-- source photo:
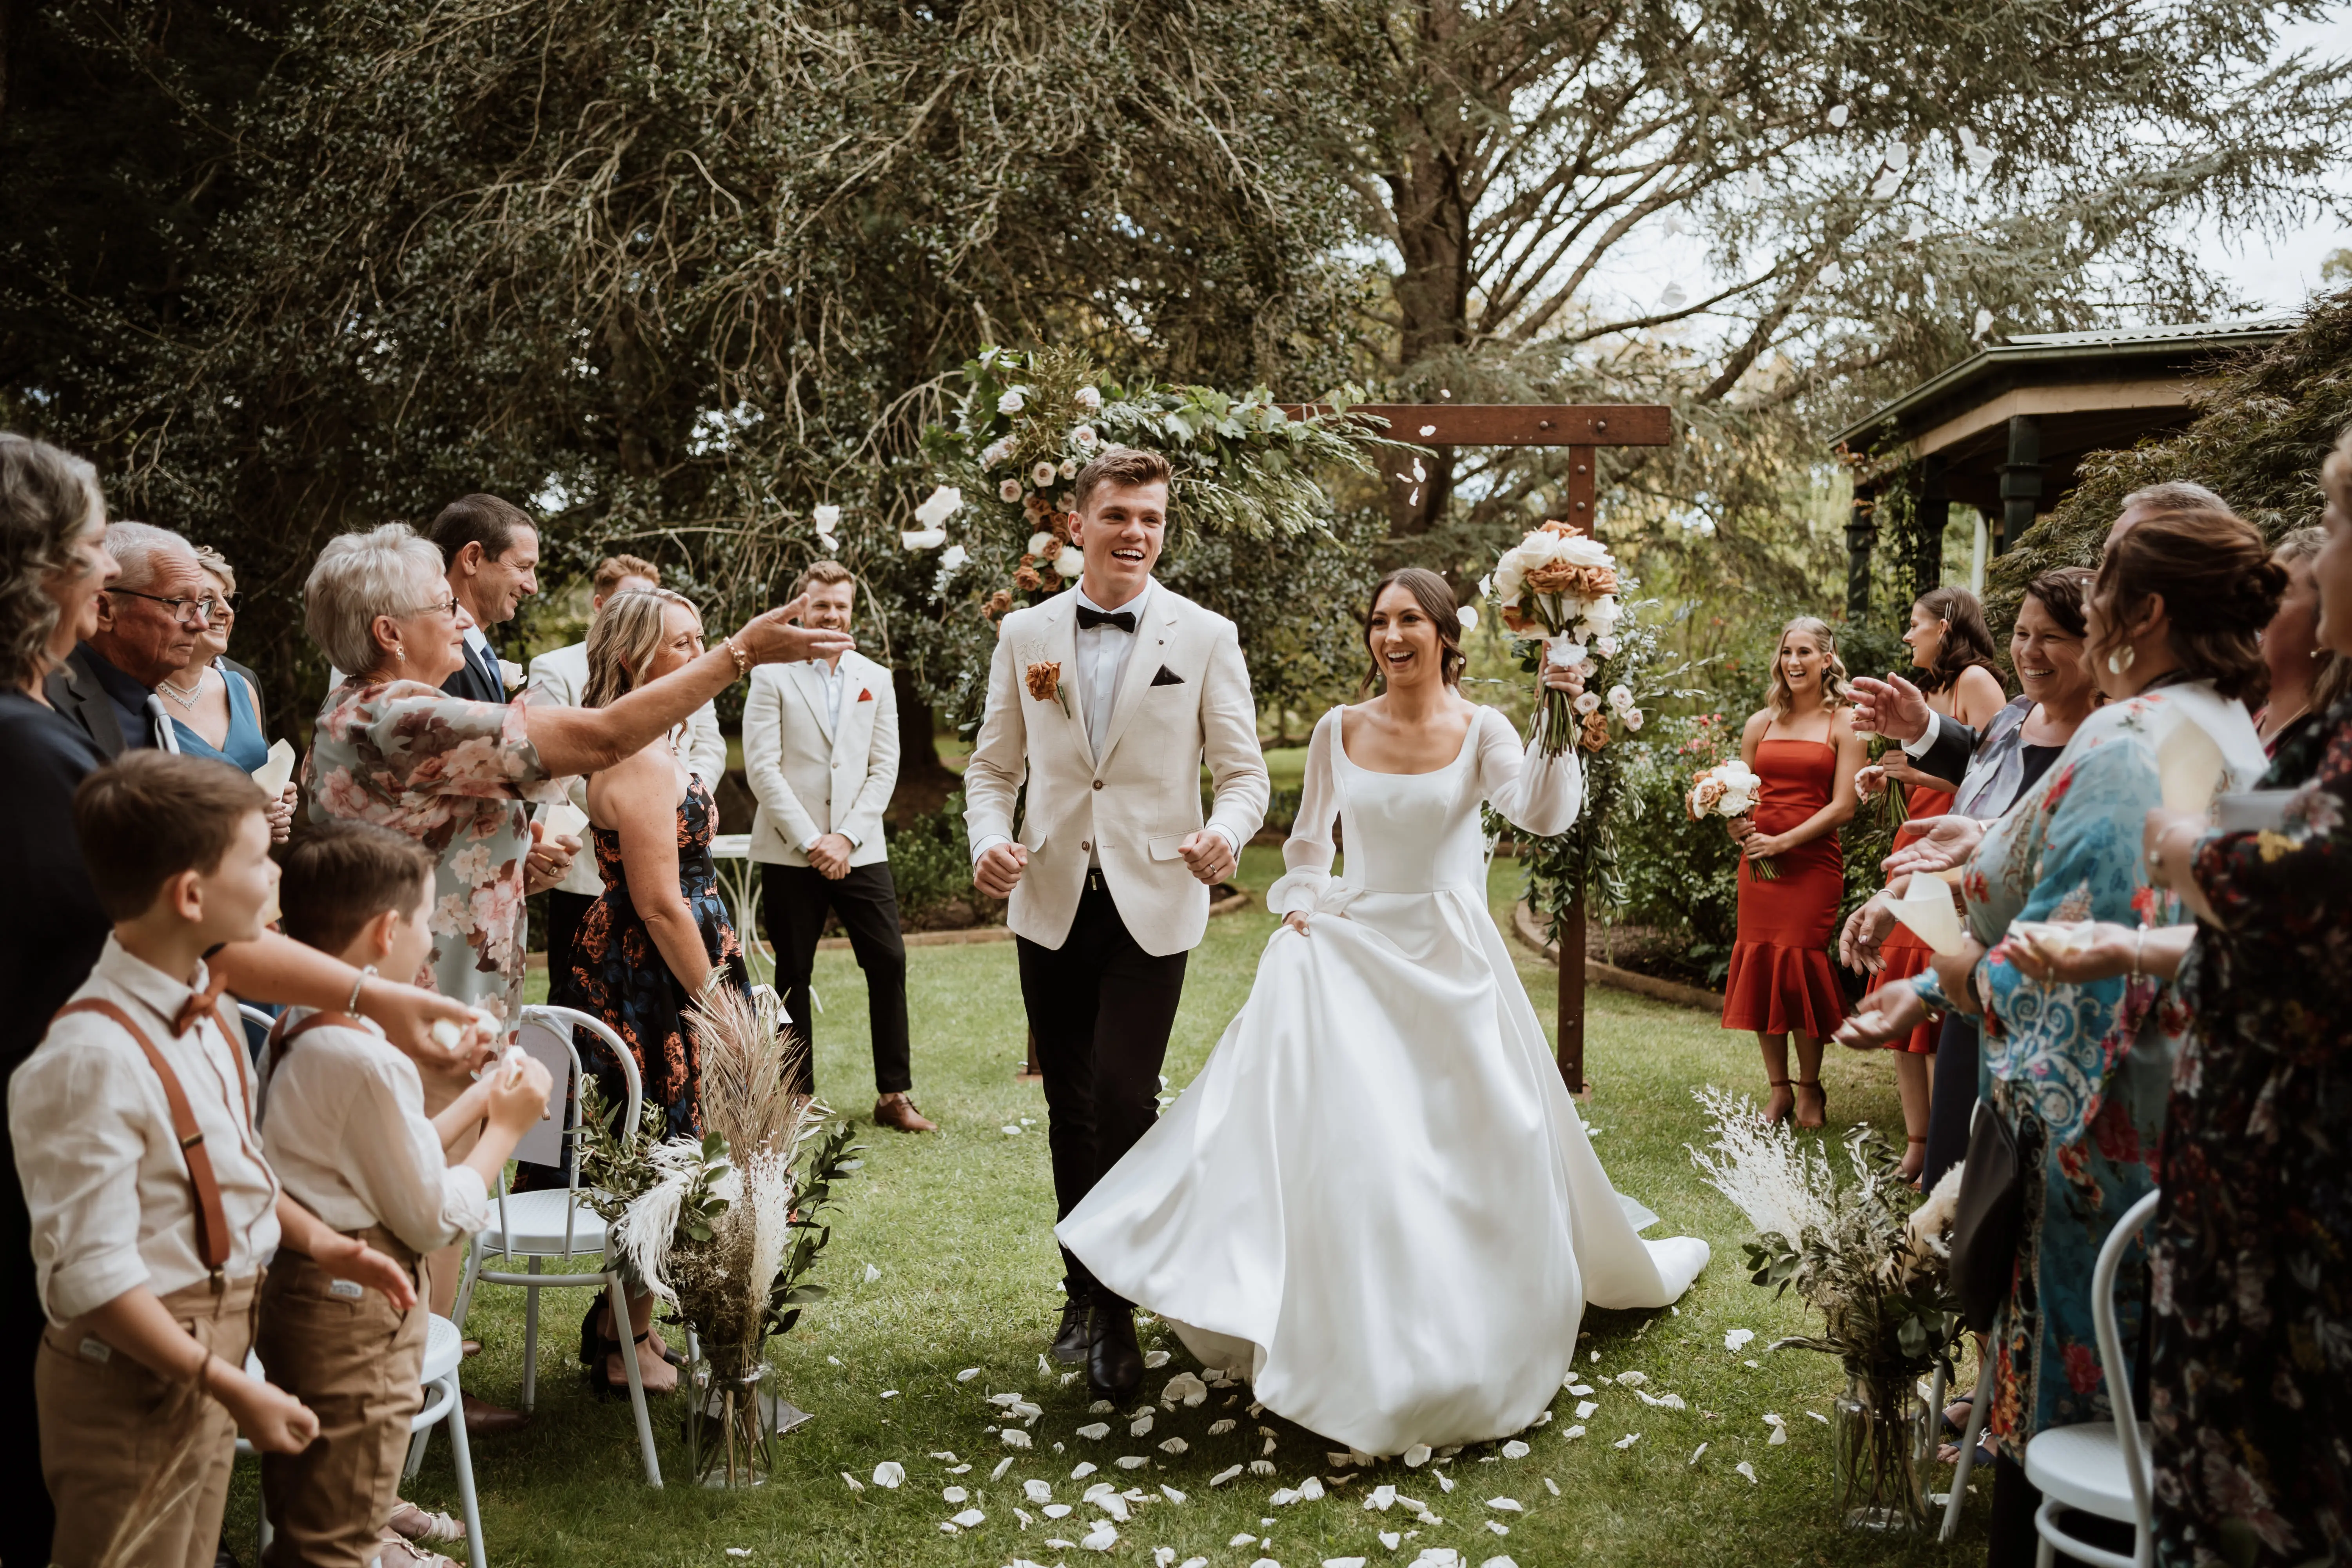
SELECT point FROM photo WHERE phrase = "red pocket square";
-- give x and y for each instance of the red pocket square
(864, 694)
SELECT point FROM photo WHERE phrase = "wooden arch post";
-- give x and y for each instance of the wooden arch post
(1582, 429)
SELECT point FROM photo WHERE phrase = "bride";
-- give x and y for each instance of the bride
(1377, 1203)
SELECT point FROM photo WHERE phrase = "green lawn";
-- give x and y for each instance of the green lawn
(958, 1226)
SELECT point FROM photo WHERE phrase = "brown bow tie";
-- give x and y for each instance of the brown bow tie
(200, 1003)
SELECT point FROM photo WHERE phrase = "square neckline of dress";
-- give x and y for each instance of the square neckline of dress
(1468, 732)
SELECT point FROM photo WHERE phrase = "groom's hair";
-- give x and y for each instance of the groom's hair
(1126, 466)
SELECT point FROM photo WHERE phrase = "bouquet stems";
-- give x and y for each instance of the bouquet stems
(1760, 867)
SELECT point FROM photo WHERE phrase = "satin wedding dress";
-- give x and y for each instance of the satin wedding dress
(1377, 1203)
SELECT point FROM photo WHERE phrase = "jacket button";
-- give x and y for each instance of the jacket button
(1098, 783)
(1085, 847)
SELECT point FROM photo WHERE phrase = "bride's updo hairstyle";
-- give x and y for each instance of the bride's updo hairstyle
(2219, 588)
(1435, 597)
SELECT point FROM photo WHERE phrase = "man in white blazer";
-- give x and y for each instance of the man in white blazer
(1107, 700)
(560, 677)
(821, 748)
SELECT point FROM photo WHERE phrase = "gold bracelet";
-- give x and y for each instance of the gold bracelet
(735, 651)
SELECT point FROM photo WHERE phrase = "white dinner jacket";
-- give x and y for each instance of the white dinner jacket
(559, 679)
(811, 777)
(1185, 697)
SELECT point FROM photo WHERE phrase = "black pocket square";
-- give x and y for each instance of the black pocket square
(1167, 677)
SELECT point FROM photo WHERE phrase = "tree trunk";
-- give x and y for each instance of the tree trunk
(924, 782)
(1432, 227)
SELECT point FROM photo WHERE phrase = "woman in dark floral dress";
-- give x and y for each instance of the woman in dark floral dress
(657, 937)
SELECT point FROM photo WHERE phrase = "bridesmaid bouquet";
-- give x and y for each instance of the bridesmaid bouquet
(1560, 584)
(1730, 789)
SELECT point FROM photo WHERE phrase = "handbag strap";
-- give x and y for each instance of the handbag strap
(212, 1218)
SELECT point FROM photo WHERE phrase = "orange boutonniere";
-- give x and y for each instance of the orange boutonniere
(1044, 682)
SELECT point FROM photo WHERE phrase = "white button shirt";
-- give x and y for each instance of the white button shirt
(105, 1183)
(343, 1124)
(1103, 653)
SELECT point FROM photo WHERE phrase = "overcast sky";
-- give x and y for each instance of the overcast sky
(2277, 274)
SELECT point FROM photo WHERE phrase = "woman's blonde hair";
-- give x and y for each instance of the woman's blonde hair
(214, 562)
(623, 640)
(1779, 696)
(2331, 676)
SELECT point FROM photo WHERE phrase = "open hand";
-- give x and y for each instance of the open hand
(1207, 856)
(1944, 843)
(347, 1257)
(1889, 1013)
(1892, 707)
(998, 872)
(772, 638)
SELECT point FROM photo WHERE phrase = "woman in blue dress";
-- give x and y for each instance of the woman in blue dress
(216, 711)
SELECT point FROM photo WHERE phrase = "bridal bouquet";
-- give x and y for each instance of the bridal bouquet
(1562, 585)
(1729, 790)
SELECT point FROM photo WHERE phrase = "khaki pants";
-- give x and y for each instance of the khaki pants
(354, 1360)
(123, 1450)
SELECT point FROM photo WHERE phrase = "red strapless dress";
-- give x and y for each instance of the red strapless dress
(1781, 978)
(1906, 954)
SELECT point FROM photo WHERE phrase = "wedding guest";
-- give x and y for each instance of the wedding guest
(559, 676)
(489, 554)
(214, 703)
(344, 1125)
(2012, 753)
(2307, 678)
(392, 748)
(1803, 744)
(657, 937)
(149, 619)
(2080, 1071)
(820, 749)
(1951, 644)
(152, 1211)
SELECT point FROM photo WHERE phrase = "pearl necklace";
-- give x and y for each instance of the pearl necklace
(187, 698)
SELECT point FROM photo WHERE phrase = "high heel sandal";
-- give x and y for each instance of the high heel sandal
(1815, 1085)
(1770, 1120)
(596, 1345)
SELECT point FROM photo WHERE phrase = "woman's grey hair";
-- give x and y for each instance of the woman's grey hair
(48, 499)
(2174, 495)
(623, 640)
(359, 576)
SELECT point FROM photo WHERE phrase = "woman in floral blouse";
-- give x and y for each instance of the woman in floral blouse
(2080, 1069)
(392, 748)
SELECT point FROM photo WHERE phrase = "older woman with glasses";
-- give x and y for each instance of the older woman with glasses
(213, 706)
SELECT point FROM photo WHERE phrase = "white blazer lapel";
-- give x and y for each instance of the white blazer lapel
(1061, 646)
(811, 681)
(1143, 664)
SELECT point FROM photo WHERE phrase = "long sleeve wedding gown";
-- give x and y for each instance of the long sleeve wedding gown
(1377, 1202)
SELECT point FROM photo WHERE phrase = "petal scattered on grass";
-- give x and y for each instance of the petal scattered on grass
(1819, 1416)
(1222, 1477)
(1084, 1469)
(855, 1484)
(970, 1516)
(1056, 1511)
(1515, 1449)
(889, 1473)
(954, 1494)
(1036, 1490)
(1261, 1466)
(1002, 1464)
(1416, 1455)
(1173, 1495)
(1101, 1538)
(1015, 1438)
(1133, 1461)
(1140, 1426)
(1697, 1452)
(1573, 1432)
(1551, 1486)
(1745, 1469)
(1627, 1441)
(1585, 1408)
(1736, 1339)
(1507, 1505)
(1499, 1527)
(967, 1374)
(1095, 1431)
(1219, 1428)
(1174, 1446)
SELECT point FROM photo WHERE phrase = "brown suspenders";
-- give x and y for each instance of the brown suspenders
(280, 1037)
(212, 1218)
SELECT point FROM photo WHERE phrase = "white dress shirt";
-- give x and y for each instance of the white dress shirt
(343, 1124)
(105, 1185)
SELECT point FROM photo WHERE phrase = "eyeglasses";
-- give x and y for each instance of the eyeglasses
(187, 612)
(218, 606)
(448, 607)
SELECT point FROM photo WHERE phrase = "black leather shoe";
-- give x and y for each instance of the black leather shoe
(1114, 1362)
(1070, 1339)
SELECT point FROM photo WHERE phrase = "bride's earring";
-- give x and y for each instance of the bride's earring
(2121, 659)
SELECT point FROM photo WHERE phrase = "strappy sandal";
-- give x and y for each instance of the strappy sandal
(411, 1522)
(1784, 1115)
(1815, 1085)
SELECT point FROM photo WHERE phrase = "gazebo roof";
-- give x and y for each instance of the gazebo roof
(2092, 390)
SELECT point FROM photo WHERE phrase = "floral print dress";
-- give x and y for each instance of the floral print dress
(2250, 1379)
(2080, 1072)
(619, 976)
(459, 778)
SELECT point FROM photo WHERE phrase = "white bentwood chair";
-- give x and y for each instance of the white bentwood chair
(2100, 1467)
(555, 1225)
(444, 1354)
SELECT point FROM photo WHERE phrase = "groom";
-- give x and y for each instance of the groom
(1106, 700)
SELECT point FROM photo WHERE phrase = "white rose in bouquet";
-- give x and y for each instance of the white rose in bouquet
(1042, 475)
(1089, 399)
(1729, 790)
(1008, 489)
(1014, 401)
(1561, 586)
(1040, 542)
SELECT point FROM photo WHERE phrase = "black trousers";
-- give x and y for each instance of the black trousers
(794, 901)
(564, 913)
(1101, 1008)
(1954, 1104)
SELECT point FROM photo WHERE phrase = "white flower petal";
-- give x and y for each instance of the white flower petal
(1745, 1469)
(1095, 1431)
(1140, 1425)
(970, 1517)
(1628, 1440)
(1573, 1432)
(1218, 1428)
(1507, 1505)
(1515, 1449)
(855, 1484)
(1416, 1455)
(1173, 1495)
(1036, 1490)
(1132, 1462)
(1499, 1527)
(954, 1494)
(1174, 1446)
(1222, 1477)
(1585, 1408)
(1056, 1511)
(889, 1473)
(1015, 1438)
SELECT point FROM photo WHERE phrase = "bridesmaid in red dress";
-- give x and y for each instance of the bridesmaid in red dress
(1952, 646)
(1803, 745)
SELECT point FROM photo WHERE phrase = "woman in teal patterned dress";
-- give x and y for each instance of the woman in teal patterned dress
(2081, 1070)
(657, 937)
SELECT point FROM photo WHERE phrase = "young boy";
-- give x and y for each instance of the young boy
(153, 1210)
(343, 1124)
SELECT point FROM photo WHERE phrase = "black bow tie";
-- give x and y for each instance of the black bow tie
(1089, 620)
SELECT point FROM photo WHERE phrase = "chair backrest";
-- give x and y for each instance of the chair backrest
(256, 1018)
(545, 1033)
(2111, 1355)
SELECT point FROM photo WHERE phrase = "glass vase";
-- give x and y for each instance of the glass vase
(1880, 1429)
(732, 1417)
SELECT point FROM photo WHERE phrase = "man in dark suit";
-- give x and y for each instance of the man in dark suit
(147, 623)
(489, 549)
